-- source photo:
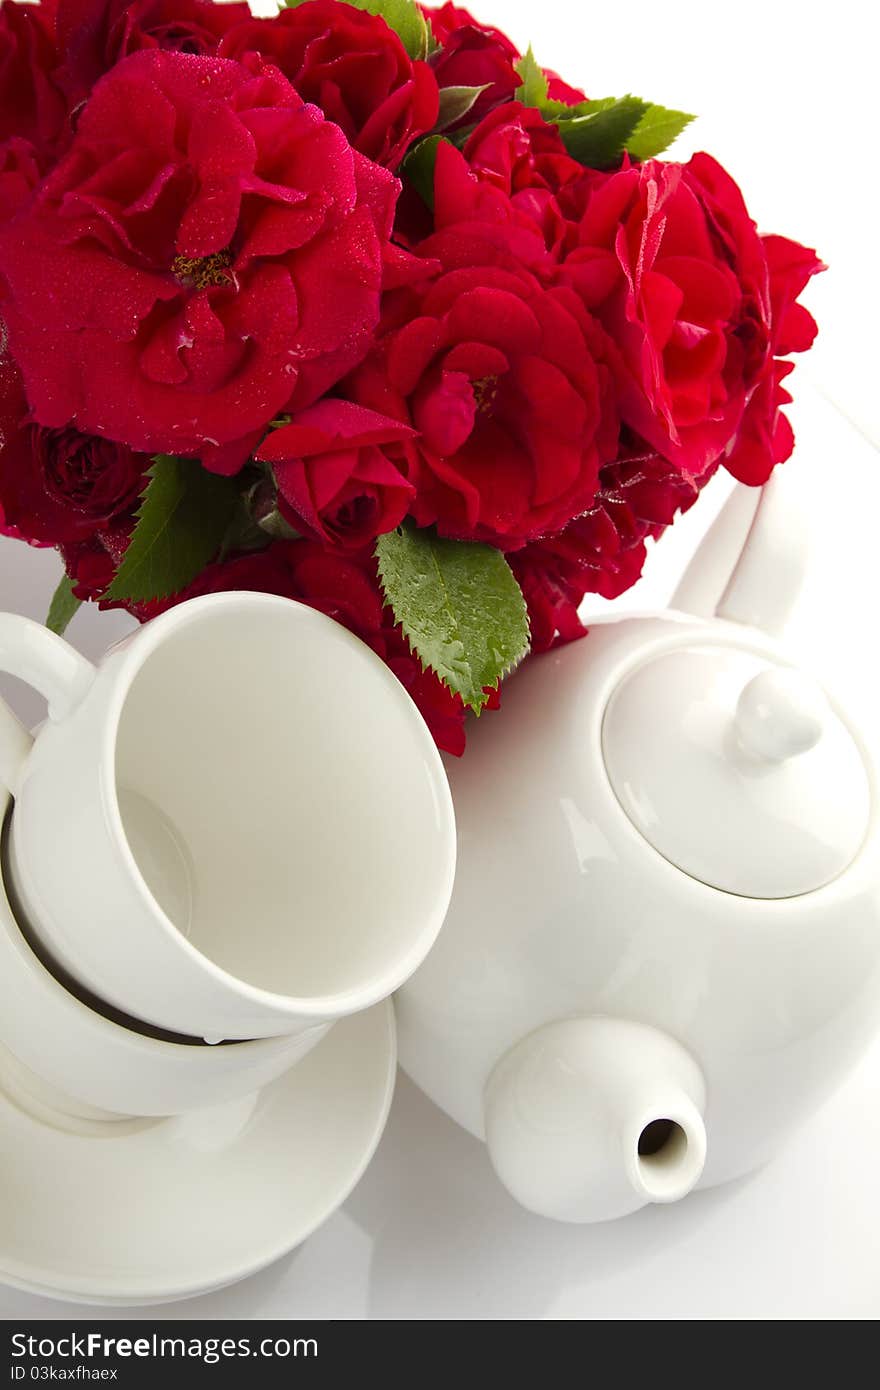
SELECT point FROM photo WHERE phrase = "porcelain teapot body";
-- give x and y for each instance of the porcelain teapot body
(587, 993)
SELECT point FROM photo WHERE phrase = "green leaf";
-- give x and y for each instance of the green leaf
(403, 16)
(418, 167)
(598, 138)
(63, 606)
(559, 111)
(656, 131)
(184, 514)
(533, 89)
(456, 102)
(459, 605)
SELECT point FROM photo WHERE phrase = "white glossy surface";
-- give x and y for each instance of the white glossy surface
(562, 909)
(186, 1204)
(193, 828)
(780, 714)
(735, 768)
(778, 543)
(65, 1059)
(429, 1232)
(665, 828)
(589, 1119)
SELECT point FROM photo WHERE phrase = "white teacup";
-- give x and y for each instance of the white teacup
(237, 826)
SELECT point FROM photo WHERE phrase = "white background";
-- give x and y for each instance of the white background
(783, 92)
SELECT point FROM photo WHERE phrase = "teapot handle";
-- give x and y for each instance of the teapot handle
(751, 565)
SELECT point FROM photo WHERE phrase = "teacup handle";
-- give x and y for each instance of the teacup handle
(53, 667)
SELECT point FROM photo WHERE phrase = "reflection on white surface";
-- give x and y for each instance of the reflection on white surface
(429, 1233)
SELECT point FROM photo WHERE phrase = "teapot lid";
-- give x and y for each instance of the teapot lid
(737, 770)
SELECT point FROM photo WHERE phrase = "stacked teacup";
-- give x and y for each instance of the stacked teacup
(231, 834)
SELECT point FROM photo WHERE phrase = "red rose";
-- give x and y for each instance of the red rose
(345, 586)
(94, 35)
(208, 253)
(765, 437)
(603, 551)
(58, 485)
(516, 150)
(473, 55)
(501, 376)
(354, 67)
(477, 55)
(31, 106)
(669, 260)
(337, 481)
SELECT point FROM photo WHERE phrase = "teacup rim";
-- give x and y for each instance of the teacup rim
(140, 645)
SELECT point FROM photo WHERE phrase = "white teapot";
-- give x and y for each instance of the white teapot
(663, 948)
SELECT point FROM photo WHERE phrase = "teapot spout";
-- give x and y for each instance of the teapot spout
(590, 1118)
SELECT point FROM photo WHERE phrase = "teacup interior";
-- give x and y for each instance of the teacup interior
(280, 796)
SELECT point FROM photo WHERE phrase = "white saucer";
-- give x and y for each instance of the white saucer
(176, 1207)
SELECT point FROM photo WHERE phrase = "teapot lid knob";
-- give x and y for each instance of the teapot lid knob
(780, 714)
(737, 769)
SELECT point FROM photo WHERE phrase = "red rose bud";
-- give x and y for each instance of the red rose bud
(94, 35)
(337, 481)
(353, 66)
(59, 486)
(179, 300)
(473, 55)
(476, 55)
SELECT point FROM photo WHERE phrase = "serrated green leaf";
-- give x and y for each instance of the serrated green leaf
(63, 606)
(455, 103)
(403, 16)
(184, 514)
(598, 138)
(557, 111)
(656, 131)
(459, 606)
(532, 91)
(597, 132)
(418, 167)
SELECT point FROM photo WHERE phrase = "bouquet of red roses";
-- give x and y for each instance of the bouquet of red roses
(360, 306)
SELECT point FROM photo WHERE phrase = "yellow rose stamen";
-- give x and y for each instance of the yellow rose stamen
(202, 272)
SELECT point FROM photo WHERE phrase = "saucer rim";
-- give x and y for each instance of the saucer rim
(93, 1292)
